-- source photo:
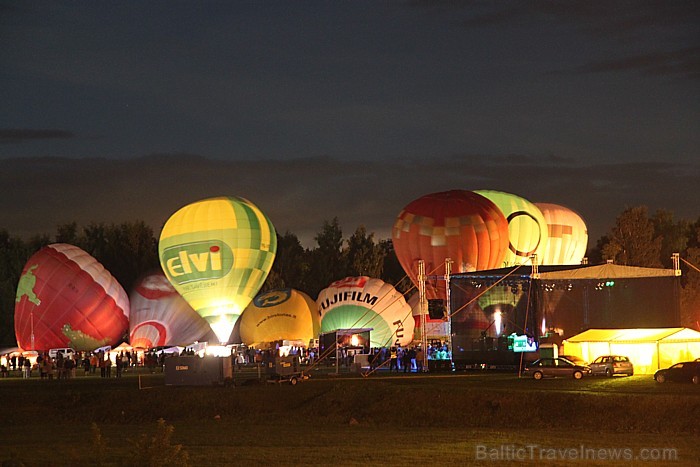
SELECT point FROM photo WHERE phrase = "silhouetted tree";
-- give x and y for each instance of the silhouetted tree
(362, 256)
(327, 262)
(68, 233)
(392, 272)
(674, 235)
(291, 265)
(127, 250)
(632, 241)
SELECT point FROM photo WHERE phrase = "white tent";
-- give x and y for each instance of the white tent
(608, 271)
(649, 349)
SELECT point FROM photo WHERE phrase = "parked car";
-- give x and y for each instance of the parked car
(574, 359)
(610, 365)
(684, 372)
(556, 367)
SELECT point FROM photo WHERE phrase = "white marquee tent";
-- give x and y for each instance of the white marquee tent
(649, 349)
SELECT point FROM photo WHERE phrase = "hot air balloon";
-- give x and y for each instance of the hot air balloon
(363, 302)
(499, 303)
(527, 227)
(66, 298)
(568, 235)
(281, 314)
(217, 253)
(434, 328)
(160, 316)
(461, 225)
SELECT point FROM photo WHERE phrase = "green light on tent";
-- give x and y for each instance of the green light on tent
(609, 283)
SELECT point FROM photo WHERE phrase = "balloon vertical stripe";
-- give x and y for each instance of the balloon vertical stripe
(217, 253)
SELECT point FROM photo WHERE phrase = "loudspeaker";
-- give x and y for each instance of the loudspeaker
(436, 309)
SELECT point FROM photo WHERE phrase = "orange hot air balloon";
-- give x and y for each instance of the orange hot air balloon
(66, 298)
(461, 225)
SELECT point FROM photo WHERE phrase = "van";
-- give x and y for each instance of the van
(65, 351)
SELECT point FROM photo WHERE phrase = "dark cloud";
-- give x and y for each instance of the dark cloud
(683, 62)
(299, 195)
(608, 18)
(9, 136)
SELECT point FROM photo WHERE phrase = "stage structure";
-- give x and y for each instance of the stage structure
(492, 309)
(433, 310)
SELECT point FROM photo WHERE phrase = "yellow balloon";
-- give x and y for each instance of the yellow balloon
(217, 253)
(527, 227)
(282, 314)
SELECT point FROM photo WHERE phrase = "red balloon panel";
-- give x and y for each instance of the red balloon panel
(62, 301)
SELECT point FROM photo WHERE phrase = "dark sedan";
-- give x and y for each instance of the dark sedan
(556, 367)
(684, 372)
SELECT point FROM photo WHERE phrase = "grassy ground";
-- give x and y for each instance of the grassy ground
(478, 418)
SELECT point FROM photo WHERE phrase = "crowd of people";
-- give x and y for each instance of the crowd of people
(409, 359)
(60, 365)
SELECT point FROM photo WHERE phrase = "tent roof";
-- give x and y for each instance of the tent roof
(608, 271)
(640, 335)
(568, 272)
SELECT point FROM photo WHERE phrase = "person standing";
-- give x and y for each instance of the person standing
(419, 360)
(27, 367)
(119, 366)
(406, 361)
(86, 365)
(393, 360)
(102, 364)
(108, 366)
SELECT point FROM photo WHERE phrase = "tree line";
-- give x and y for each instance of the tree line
(130, 250)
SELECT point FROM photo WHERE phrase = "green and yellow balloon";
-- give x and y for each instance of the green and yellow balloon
(217, 253)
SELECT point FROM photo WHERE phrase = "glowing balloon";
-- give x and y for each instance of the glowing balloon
(363, 302)
(434, 328)
(282, 314)
(568, 235)
(66, 298)
(217, 253)
(458, 224)
(500, 296)
(527, 227)
(160, 316)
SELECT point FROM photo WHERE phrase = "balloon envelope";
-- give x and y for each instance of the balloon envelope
(434, 328)
(461, 225)
(281, 314)
(363, 302)
(160, 316)
(66, 298)
(568, 235)
(527, 227)
(217, 253)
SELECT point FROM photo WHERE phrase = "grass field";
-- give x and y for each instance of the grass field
(459, 419)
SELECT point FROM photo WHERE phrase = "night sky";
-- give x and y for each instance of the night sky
(116, 111)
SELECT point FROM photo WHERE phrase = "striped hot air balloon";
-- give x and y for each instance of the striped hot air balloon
(217, 253)
(461, 225)
(160, 316)
(66, 298)
(568, 235)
